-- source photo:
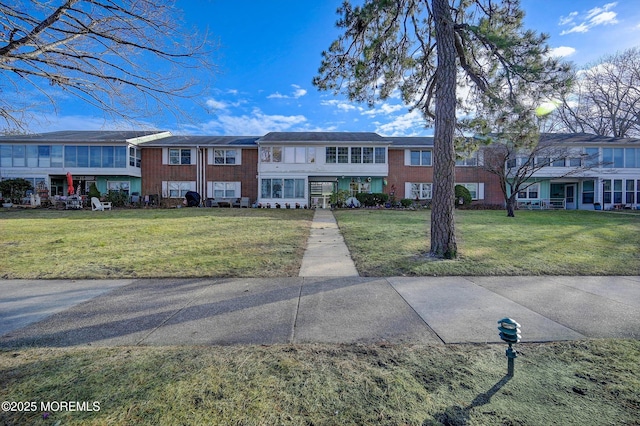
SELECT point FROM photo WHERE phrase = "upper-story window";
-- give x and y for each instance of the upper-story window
(421, 157)
(288, 154)
(468, 160)
(355, 155)
(224, 156)
(179, 156)
(135, 156)
(63, 156)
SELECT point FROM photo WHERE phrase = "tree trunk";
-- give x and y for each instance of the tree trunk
(511, 207)
(443, 239)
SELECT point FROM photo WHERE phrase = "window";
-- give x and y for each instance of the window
(530, 192)
(421, 191)
(95, 156)
(224, 156)
(178, 156)
(70, 156)
(331, 154)
(420, 158)
(282, 188)
(225, 190)
(119, 186)
(588, 192)
(343, 154)
(120, 160)
(613, 157)
(617, 191)
(107, 156)
(265, 154)
(557, 162)
(6, 156)
(629, 194)
(473, 189)
(470, 161)
(606, 191)
(44, 156)
(367, 155)
(18, 155)
(83, 156)
(178, 189)
(135, 156)
(56, 156)
(356, 155)
(542, 161)
(575, 162)
(32, 156)
(592, 155)
(311, 155)
(638, 191)
(632, 157)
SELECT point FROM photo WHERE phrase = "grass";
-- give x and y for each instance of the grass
(152, 243)
(392, 243)
(583, 383)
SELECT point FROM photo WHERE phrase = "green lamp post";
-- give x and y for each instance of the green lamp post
(510, 333)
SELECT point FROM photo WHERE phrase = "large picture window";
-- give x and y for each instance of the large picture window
(282, 188)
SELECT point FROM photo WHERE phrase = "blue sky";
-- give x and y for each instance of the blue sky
(269, 51)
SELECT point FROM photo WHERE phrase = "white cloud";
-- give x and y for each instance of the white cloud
(341, 105)
(562, 51)
(298, 92)
(566, 20)
(409, 124)
(594, 17)
(385, 109)
(257, 123)
(216, 105)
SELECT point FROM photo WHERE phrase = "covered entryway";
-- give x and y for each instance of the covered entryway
(320, 191)
(564, 195)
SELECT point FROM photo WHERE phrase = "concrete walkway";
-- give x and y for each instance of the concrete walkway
(327, 303)
(420, 310)
(326, 254)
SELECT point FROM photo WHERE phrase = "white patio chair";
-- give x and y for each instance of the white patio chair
(96, 205)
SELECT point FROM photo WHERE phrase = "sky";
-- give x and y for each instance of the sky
(269, 52)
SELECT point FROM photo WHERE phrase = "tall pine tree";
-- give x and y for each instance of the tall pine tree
(430, 50)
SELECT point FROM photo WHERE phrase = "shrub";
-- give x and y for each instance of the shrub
(372, 200)
(93, 191)
(15, 189)
(406, 202)
(117, 198)
(463, 196)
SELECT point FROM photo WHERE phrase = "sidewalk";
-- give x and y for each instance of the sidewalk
(317, 306)
(326, 254)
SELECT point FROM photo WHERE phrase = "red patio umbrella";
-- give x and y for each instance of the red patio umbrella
(70, 183)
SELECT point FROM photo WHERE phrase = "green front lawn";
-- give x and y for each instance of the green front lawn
(148, 243)
(391, 243)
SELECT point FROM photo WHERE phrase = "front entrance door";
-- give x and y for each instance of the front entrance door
(570, 196)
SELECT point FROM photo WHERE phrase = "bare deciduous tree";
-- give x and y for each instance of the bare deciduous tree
(605, 97)
(127, 58)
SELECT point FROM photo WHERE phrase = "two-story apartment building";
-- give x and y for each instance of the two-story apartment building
(111, 160)
(305, 168)
(584, 170)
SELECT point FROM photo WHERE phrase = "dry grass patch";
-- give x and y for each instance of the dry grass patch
(578, 383)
